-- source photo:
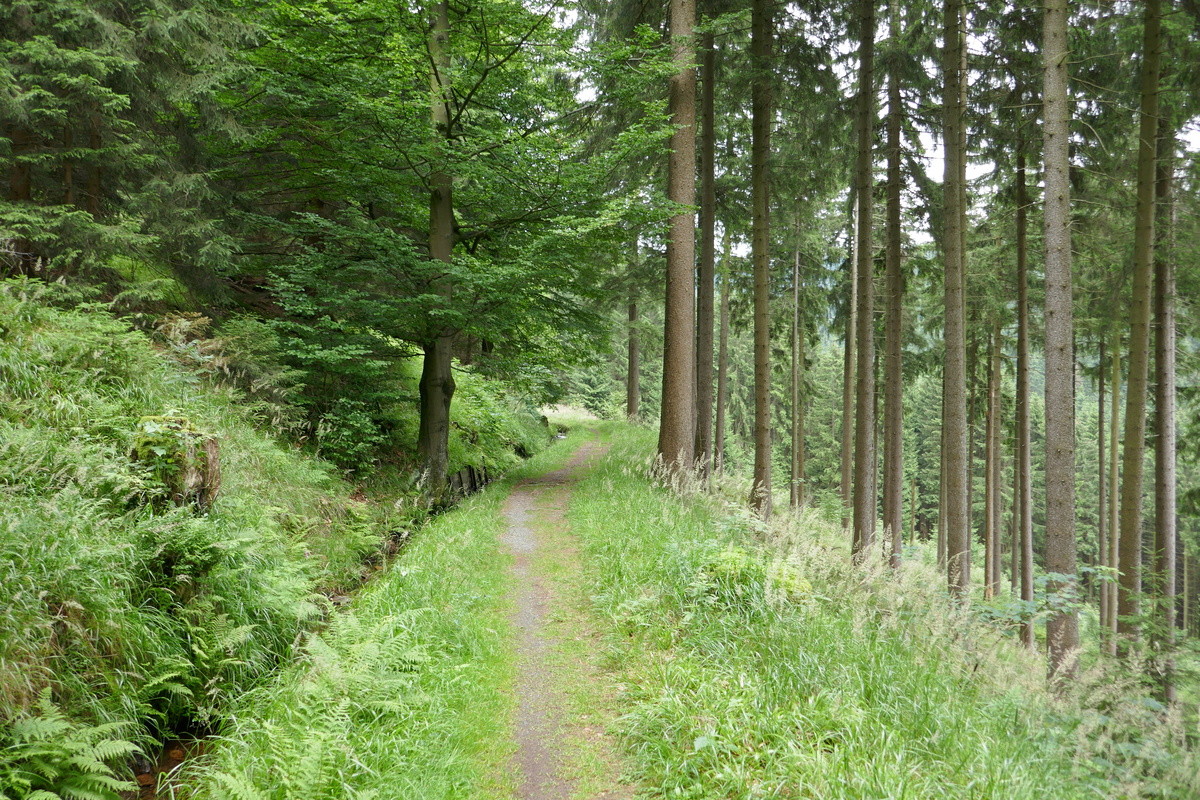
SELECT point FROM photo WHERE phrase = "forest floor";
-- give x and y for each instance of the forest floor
(565, 706)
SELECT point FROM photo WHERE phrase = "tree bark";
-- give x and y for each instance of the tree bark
(707, 265)
(760, 154)
(1165, 532)
(797, 471)
(633, 395)
(722, 363)
(1102, 499)
(1114, 491)
(957, 515)
(677, 437)
(865, 496)
(437, 378)
(1062, 629)
(991, 466)
(1129, 592)
(893, 403)
(848, 366)
(1024, 469)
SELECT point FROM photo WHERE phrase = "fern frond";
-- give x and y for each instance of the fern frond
(238, 790)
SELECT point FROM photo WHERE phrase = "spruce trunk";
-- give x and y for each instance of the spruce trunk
(1102, 499)
(760, 153)
(848, 367)
(1024, 468)
(1165, 532)
(797, 476)
(706, 268)
(893, 404)
(677, 427)
(954, 382)
(1130, 589)
(864, 412)
(722, 364)
(1062, 628)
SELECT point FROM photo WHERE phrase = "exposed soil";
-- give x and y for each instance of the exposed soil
(174, 752)
(561, 753)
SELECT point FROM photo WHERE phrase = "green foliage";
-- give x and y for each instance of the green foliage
(104, 103)
(871, 686)
(408, 696)
(168, 448)
(136, 611)
(348, 435)
(46, 756)
(736, 576)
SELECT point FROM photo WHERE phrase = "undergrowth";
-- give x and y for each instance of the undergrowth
(128, 601)
(405, 697)
(759, 662)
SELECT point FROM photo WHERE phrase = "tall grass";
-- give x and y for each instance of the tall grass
(760, 663)
(405, 697)
(118, 609)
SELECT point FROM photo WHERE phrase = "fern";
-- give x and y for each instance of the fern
(52, 758)
(237, 788)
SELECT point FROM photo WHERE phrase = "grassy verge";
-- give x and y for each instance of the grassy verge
(405, 696)
(135, 605)
(760, 663)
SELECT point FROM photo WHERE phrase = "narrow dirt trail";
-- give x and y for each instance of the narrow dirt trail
(563, 751)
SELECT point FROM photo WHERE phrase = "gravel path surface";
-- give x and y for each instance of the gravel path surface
(543, 730)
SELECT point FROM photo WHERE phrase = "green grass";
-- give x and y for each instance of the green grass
(741, 684)
(118, 609)
(404, 697)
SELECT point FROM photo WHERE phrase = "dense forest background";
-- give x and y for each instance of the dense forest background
(928, 268)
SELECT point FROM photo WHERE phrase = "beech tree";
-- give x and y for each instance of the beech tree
(415, 167)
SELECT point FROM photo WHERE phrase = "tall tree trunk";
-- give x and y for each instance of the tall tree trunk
(941, 527)
(1165, 532)
(972, 400)
(848, 365)
(864, 412)
(677, 430)
(1024, 488)
(957, 515)
(633, 395)
(893, 404)
(1129, 594)
(1114, 492)
(991, 466)
(437, 378)
(707, 265)
(797, 477)
(722, 362)
(1062, 629)
(760, 155)
(1014, 558)
(1102, 499)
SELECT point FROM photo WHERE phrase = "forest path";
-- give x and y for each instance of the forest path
(563, 701)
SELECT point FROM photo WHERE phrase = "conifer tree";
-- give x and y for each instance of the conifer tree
(677, 432)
